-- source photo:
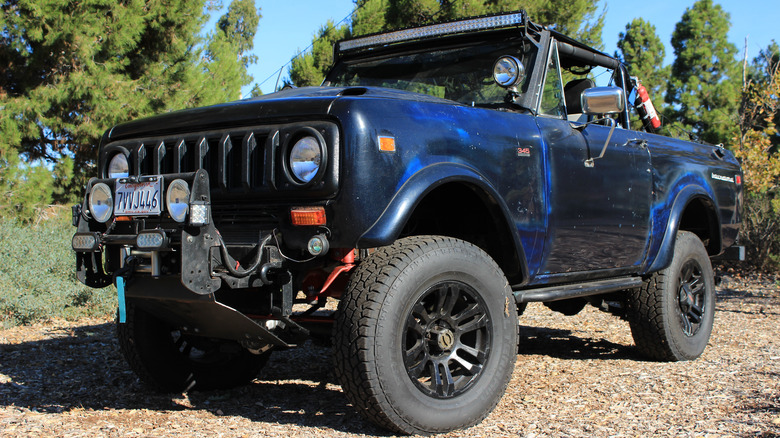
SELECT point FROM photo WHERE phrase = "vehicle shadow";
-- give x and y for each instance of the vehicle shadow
(84, 369)
(563, 344)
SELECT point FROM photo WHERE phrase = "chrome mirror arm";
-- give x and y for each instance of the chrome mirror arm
(590, 162)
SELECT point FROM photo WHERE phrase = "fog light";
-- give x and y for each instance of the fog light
(150, 240)
(85, 242)
(199, 213)
(318, 245)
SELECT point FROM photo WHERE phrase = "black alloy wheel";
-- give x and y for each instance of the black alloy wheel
(447, 339)
(691, 297)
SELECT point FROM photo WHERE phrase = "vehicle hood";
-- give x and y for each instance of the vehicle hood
(279, 107)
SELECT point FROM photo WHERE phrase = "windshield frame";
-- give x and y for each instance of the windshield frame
(489, 45)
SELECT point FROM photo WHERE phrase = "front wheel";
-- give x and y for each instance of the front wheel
(672, 314)
(425, 337)
(170, 361)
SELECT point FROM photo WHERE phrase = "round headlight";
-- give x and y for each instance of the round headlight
(118, 166)
(177, 199)
(305, 159)
(508, 71)
(101, 202)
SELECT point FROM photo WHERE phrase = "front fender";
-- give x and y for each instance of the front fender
(390, 224)
(386, 229)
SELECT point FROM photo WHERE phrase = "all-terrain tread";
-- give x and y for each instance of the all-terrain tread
(646, 320)
(646, 306)
(357, 323)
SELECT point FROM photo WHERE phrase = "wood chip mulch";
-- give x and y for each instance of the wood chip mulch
(576, 376)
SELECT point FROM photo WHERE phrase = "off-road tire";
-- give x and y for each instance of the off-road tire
(168, 361)
(663, 312)
(411, 307)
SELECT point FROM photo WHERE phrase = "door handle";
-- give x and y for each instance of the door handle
(642, 143)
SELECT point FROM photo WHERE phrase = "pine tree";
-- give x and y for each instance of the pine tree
(227, 53)
(309, 68)
(70, 70)
(703, 92)
(642, 51)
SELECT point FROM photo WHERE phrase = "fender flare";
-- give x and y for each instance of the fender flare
(392, 220)
(684, 197)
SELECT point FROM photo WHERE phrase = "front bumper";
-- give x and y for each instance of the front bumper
(181, 275)
(105, 249)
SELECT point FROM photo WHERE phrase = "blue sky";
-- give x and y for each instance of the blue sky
(287, 27)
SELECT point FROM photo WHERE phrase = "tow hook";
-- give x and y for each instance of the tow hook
(120, 276)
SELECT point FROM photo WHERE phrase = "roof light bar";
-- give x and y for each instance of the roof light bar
(482, 23)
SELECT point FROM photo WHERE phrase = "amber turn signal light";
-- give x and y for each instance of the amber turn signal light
(307, 216)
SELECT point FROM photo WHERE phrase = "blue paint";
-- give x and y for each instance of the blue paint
(120, 291)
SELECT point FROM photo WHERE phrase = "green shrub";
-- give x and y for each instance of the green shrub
(37, 273)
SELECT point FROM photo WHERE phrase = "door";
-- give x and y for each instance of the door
(599, 214)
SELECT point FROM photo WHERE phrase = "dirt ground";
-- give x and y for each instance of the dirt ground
(575, 376)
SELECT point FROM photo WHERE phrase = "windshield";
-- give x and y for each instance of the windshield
(463, 74)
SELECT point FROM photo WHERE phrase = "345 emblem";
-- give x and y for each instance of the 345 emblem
(524, 152)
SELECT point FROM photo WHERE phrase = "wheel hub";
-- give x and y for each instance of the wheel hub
(444, 338)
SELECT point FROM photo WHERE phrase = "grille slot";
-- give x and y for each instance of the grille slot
(233, 159)
(244, 164)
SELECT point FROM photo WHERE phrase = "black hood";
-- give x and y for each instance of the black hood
(286, 105)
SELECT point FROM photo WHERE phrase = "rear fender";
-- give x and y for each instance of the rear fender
(683, 199)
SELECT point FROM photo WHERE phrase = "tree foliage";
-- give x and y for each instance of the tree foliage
(703, 91)
(310, 68)
(70, 70)
(574, 17)
(756, 146)
(643, 52)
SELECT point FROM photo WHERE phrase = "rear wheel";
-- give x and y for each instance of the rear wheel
(425, 337)
(672, 314)
(168, 360)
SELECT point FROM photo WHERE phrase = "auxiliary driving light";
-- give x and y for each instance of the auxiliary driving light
(177, 200)
(86, 242)
(318, 245)
(150, 240)
(101, 202)
(199, 214)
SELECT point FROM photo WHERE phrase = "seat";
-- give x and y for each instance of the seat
(572, 92)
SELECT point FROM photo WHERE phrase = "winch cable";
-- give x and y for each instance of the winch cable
(227, 260)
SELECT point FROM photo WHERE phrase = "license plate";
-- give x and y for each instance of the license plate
(138, 198)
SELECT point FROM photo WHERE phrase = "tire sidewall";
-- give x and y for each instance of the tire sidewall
(446, 264)
(688, 247)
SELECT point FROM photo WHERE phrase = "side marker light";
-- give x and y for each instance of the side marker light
(387, 144)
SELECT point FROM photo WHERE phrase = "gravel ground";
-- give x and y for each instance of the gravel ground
(575, 376)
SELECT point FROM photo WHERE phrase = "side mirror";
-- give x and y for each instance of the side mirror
(602, 100)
